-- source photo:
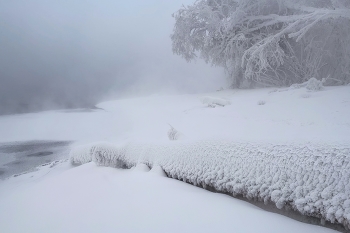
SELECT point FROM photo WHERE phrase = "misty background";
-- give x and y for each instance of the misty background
(70, 54)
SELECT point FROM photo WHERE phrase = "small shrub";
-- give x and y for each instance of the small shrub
(311, 85)
(173, 134)
(314, 85)
(261, 102)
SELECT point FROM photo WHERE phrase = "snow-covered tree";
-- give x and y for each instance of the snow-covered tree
(274, 42)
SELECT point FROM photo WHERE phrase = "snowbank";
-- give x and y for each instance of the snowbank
(213, 101)
(312, 179)
(312, 85)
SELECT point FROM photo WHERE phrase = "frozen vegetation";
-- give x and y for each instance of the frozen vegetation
(90, 199)
(268, 42)
(174, 134)
(312, 179)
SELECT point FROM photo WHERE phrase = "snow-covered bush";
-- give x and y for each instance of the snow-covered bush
(214, 101)
(174, 134)
(81, 154)
(312, 179)
(312, 85)
(103, 154)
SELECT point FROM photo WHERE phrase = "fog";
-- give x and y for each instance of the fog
(66, 54)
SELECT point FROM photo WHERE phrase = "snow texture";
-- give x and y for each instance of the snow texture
(214, 101)
(312, 179)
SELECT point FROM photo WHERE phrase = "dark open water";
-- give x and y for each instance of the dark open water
(19, 157)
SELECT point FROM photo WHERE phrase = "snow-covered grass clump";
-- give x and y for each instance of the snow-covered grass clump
(214, 101)
(174, 134)
(310, 178)
(104, 154)
(312, 85)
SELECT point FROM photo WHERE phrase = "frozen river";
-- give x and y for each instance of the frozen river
(19, 157)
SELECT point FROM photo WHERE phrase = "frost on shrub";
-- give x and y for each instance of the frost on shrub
(103, 154)
(313, 179)
(81, 154)
(173, 134)
(312, 85)
(214, 101)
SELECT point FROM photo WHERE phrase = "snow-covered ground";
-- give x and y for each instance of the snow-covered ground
(99, 199)
(95, 199)
(269, 115)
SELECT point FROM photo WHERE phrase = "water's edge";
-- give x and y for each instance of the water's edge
(286, 211)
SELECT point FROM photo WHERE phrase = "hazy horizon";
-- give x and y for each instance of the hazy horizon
(74, 54)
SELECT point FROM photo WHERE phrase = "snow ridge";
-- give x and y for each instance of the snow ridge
(310, 178)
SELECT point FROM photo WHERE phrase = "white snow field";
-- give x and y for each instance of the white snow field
(94, 199)
(291, 150)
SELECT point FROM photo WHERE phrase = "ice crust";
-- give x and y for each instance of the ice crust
(310, 178)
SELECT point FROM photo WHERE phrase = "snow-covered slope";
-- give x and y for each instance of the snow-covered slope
(93, 199)
(296, 115)
(281, 154)
(290, 146)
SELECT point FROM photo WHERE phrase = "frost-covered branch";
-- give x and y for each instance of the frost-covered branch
(265, 40)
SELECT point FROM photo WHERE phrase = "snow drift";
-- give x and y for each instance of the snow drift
(310, 178)
(214, 101)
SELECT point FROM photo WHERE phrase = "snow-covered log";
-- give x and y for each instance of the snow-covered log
(312, 179)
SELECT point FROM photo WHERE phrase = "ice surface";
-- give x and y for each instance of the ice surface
(19, 157)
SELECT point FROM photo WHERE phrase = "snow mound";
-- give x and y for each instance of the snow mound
(312, 85)
(142, 168)
(310, 178)
(158, 171)
(214, 101)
